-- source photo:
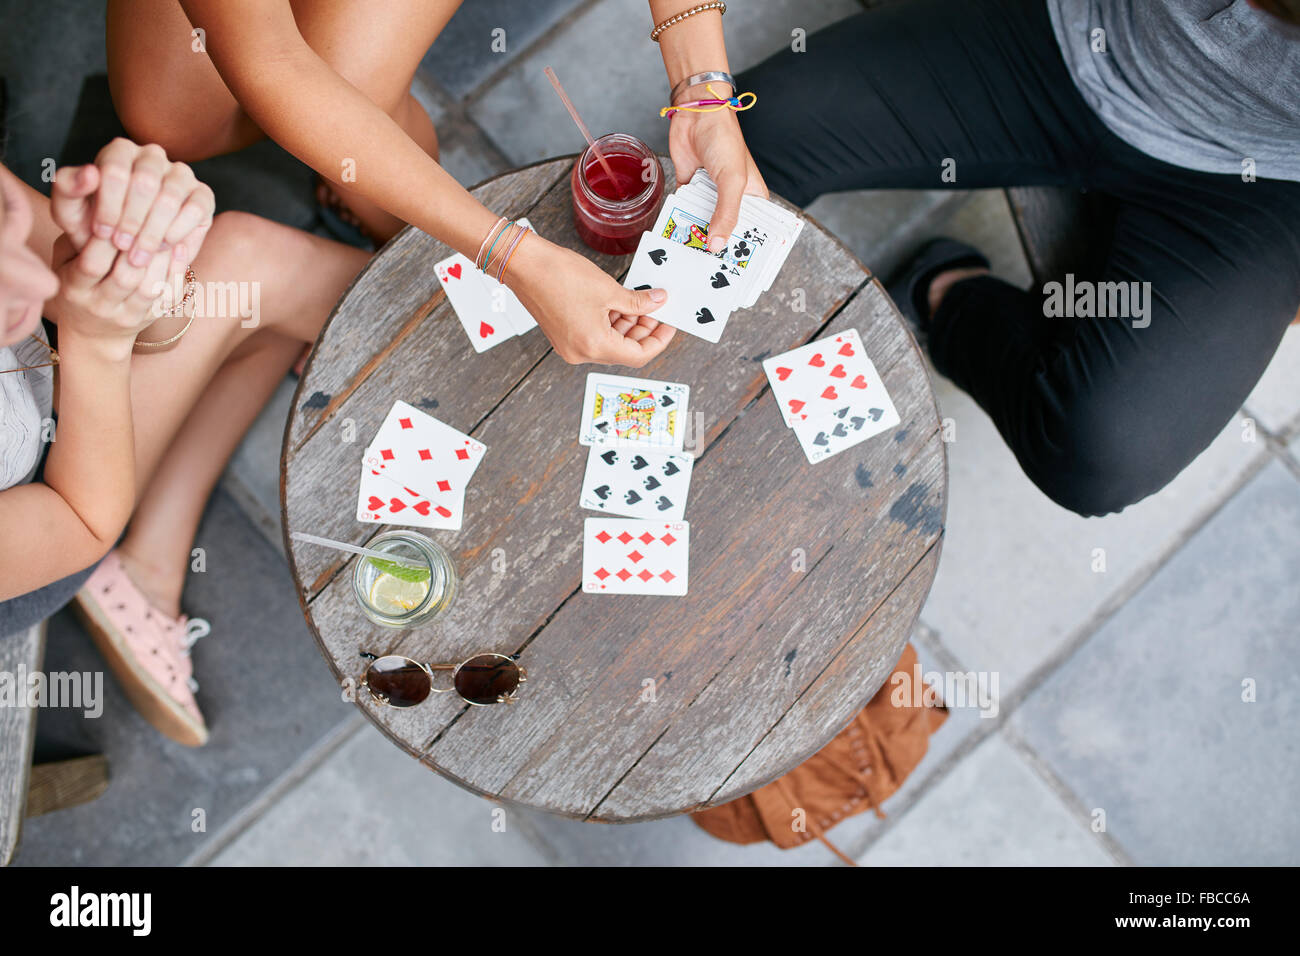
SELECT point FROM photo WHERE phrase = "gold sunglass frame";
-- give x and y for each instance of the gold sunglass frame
(429, 668)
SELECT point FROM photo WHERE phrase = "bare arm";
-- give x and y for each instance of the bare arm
(315, 114)
(68, 521)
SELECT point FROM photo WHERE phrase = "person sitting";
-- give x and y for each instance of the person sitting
(1181, 114)
(152, 391)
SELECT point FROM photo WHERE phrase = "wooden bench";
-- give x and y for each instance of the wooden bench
(19, 654)
(27, 791)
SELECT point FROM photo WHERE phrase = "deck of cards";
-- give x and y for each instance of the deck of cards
(488, 311)
(637, 470)
(416, 471)
(704, 288)
(830, 394)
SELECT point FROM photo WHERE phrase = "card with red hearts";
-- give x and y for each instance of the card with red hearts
(818, 379)
(383, 501)
(416, 471)
(488, 311)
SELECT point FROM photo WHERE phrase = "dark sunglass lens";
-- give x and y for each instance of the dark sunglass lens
(486, 678)
(398, 681)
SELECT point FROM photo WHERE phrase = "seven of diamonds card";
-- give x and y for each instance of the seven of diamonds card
(634, 412)
(629, 556)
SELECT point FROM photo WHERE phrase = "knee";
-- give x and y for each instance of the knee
(1094, 461)
(149, 119)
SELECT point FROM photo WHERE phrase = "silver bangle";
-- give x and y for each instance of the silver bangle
(695, 79)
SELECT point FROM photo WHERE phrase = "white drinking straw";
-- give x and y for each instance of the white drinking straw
(355, 549)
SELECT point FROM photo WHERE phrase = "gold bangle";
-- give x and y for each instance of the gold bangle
(677, 18)
(149, 346)
(187, 299)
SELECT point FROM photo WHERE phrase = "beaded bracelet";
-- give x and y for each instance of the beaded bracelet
(736, 104)
(678, 18)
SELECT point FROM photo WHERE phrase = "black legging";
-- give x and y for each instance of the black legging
(1099, 414)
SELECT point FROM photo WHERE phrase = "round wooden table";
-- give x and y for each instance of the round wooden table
(805, 583)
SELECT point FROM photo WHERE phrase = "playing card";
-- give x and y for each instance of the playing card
(638, 483)
(701, 292)
(420, 452)
(482, 313)
(634, 412)
(382, 501)
(761, 241)
(821, 377)
(846, 427)
(627, 556)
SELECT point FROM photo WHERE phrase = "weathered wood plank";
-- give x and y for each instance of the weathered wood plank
(19, 653)
(825, 708)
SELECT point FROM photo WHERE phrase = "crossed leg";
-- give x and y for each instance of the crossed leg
(374, 46)
(193, 403)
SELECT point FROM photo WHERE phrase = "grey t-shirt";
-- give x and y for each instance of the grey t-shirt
(26, 398)
(1203, 84)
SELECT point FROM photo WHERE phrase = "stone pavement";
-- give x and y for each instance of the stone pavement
(1144, 712)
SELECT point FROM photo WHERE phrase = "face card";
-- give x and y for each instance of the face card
(701, 292)
(634, 412)
(626, 556)
(816, 379)
(417, 450)
(846, 427)
(638, 483)
(474, 302)
(381, 501)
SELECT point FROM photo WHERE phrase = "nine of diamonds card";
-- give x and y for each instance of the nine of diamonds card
(631, 556)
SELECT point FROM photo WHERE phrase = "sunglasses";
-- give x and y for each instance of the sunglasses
(481, 680)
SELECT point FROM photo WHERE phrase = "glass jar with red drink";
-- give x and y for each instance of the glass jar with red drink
(610, 213)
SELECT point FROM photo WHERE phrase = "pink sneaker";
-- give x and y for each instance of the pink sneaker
(149, 652)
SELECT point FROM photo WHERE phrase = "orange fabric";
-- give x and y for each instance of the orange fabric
(858, 770)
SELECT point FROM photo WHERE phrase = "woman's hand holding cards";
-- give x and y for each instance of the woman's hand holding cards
(585, 313)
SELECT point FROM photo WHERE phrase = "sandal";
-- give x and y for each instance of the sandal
(910, 287)
(148, 652)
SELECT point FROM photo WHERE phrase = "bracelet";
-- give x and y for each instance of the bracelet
(191, 285)
(505, 261)
(487, 259)
(495, 226)
(711, 76)
(736, 104)
(679, 17)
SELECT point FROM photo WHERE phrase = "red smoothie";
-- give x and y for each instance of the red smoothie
(610, 213)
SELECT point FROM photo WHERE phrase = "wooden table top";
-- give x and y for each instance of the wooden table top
(805, 580)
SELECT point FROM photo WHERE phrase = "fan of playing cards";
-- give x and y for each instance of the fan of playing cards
(703, 288)
(416, 471)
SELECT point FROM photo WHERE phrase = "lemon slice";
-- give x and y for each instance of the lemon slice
(392, 595)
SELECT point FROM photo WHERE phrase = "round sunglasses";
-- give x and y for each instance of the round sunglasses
(481, 680)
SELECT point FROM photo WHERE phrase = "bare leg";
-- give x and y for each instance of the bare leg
(375, 47)
(157, 546)
(193, 403)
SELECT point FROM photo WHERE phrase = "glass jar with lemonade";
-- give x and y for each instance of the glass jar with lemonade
(405, 592)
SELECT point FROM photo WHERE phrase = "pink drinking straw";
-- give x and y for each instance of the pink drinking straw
(573, 111)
